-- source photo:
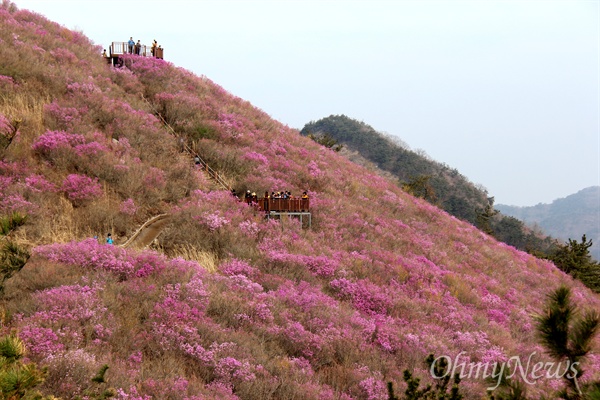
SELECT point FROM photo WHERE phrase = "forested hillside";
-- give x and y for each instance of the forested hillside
(450, 189)
(436, 182)
(565, 218)
(226, 304)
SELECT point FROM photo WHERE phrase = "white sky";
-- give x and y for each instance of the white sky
(507, 92)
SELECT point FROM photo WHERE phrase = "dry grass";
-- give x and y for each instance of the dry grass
(61, 227)
(462, 290)
(207, 260)
(26, 112)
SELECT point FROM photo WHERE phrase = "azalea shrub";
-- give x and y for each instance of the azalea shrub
(81, 189)
(6, 127)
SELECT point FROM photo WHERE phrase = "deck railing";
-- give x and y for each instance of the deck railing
(119, 48)
(281, 205)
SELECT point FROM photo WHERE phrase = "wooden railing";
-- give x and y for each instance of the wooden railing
(280, 205)
(119, 48)
(213, 174)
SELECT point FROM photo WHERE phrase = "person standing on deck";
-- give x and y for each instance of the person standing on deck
(153, 49)
(130, 44)
(266, 201)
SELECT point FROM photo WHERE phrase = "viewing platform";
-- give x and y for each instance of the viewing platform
(117, 49)
(276, 208)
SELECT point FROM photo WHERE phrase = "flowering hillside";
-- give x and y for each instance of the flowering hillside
(229, 305)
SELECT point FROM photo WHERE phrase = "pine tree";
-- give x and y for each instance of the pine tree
(441, 390)
(484, 217)
(12, 259)
(508, 388)
(419, 186)
(574, 258)
(567, 337)
(18, 380)
(326, 140)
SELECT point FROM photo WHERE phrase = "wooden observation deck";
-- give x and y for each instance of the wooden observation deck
(117, 49)
(279, 207)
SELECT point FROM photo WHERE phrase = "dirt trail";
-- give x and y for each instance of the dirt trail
(147, 232)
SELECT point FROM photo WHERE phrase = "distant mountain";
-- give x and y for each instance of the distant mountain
(437, 182)
(565, 218)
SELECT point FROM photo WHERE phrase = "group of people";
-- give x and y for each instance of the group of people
(136, 48)
(109, 239)
(277, 201)
(281, 195)
(133, 48)
(251, 197)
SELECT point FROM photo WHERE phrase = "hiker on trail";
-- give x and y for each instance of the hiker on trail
(248, 197)
(130, 44)
(138, 47)
(109, 239)
(104, 54)
(304, 195)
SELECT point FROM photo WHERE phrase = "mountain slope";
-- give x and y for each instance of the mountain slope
(566, 218)
(228, 305)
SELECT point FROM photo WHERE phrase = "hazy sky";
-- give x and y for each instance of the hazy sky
(507, 92)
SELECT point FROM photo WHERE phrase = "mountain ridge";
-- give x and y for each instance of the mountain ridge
(565, 218)
(437, 182)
